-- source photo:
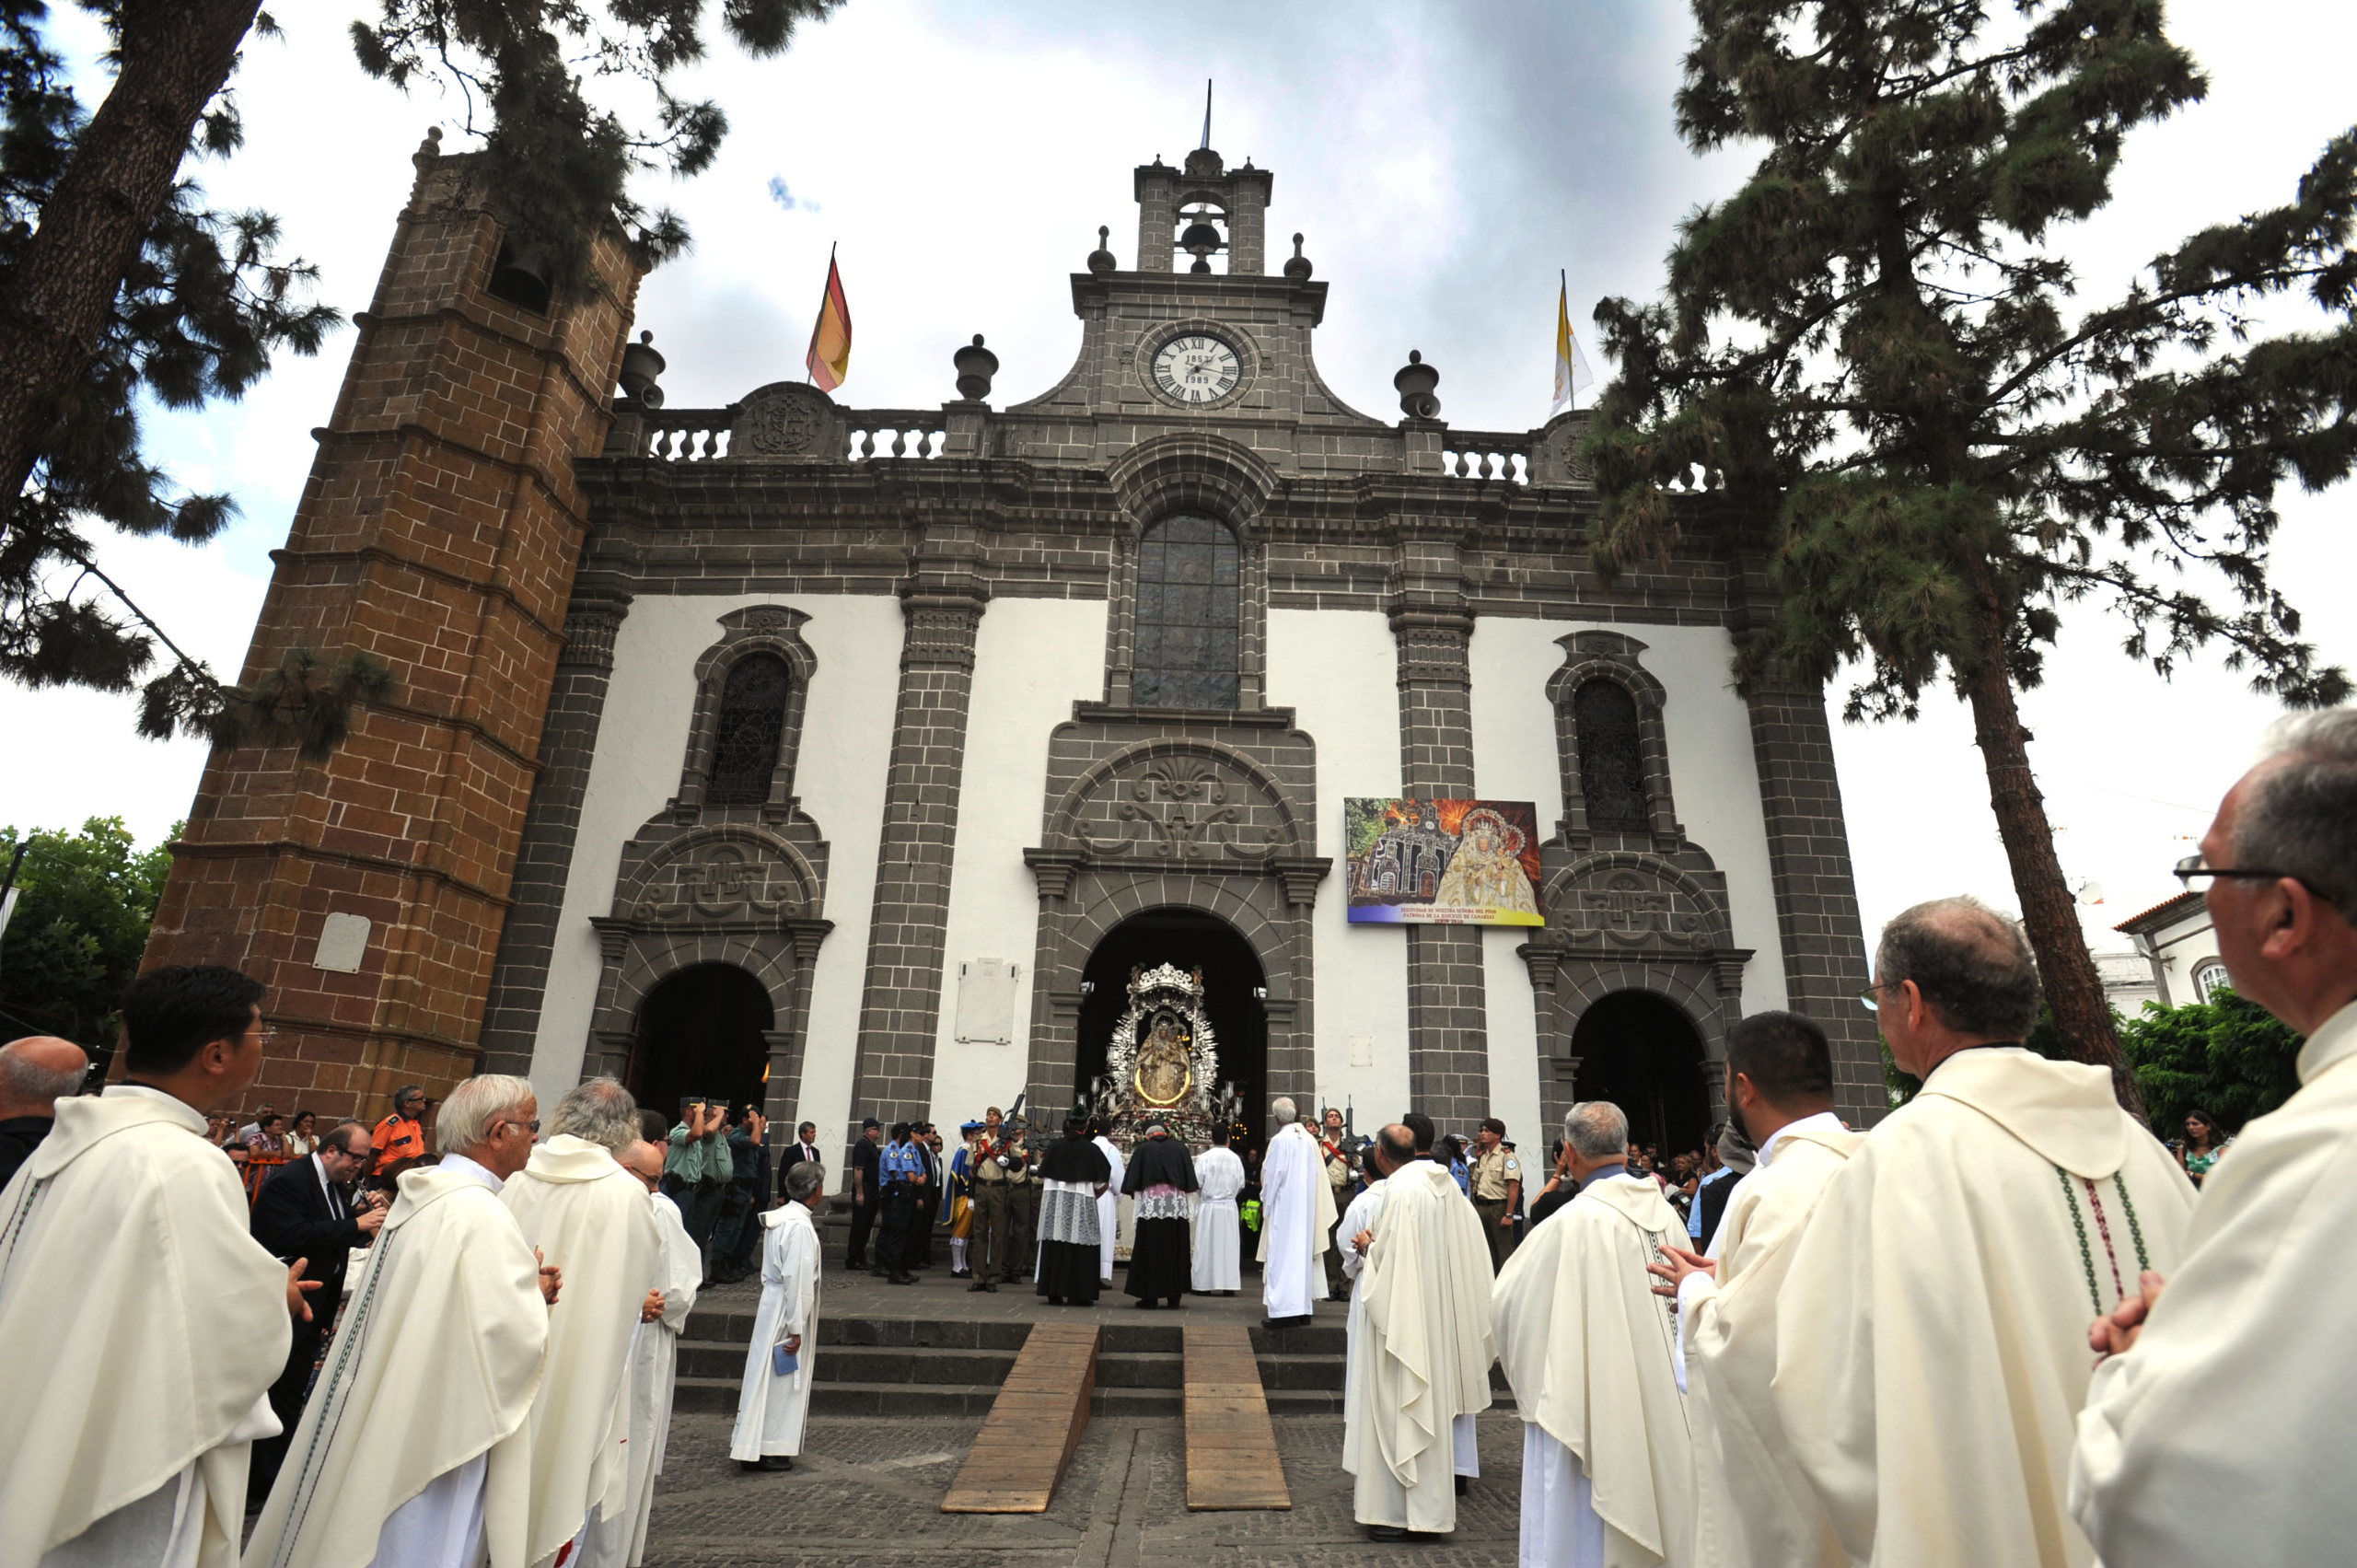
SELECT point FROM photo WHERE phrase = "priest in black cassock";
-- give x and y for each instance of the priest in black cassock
(1074, 1172)
(1161, 1176)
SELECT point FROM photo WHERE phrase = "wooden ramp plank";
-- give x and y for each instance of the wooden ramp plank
(1034, 1425)
(1231, 1449)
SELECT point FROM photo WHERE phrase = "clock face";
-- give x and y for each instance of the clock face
(1197, 369)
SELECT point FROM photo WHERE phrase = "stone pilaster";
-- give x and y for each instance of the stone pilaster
(899, 1008)
(1448, 1044)
(544, 857)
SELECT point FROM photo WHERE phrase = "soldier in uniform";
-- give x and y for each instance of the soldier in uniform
(1335, 1159)
(1022, 1202)
(988, 1241)
(1497, 1186)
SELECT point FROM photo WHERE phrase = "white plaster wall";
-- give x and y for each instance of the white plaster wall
(1711, 772)
(641, 742)
(1033, 658)
(1338, 671)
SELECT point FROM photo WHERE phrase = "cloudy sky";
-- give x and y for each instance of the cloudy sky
(1445, 162)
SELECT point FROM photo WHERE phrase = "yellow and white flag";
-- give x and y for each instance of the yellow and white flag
(1571, 365)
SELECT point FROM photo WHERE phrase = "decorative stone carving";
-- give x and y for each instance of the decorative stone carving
(787, 419)
(1612, 903)
(743, 876)
(1554, 457)
(1185, 807)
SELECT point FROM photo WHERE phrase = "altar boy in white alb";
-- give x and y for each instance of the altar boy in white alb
(1218, 1238)
(412, 1451)
(1608, 1457)
(138, 1319)
(1932, 1336)
(1296, 1219)
(773, 1404)
(1756, 1508)
(2209, 1441)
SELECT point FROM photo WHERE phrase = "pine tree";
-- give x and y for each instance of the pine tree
(1873, 347)
(118, 284)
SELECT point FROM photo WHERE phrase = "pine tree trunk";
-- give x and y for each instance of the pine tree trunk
(175, 56)
(2066, 971)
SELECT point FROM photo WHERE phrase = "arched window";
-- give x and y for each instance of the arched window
(1612, 757)
(752, 722)
(1189, 605)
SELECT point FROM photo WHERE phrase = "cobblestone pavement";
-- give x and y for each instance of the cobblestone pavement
(869, 1492)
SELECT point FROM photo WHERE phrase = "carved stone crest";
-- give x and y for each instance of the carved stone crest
(781, 421)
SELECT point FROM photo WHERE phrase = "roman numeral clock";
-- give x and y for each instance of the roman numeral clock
(1197, 369)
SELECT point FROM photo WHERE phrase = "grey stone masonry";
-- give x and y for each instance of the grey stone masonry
(1448, 1043)
(900, 1005)
(544, 858)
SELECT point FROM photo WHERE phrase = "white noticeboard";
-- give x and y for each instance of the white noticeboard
(986, 1002)
(343, 943)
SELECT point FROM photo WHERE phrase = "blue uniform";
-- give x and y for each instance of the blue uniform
(898, 1167)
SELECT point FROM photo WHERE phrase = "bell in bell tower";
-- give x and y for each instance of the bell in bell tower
(1202, 210)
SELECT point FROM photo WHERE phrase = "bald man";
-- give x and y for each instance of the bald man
(35, 1074)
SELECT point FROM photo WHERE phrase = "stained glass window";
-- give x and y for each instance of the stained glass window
(1190, 604)
(1612, 757)
(752, 722)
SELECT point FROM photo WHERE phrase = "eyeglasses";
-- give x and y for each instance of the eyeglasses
(2186, 870)
(1872, 996)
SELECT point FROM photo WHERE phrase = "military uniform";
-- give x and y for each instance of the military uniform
(987, 1241)
(1337, 1177)
(1492, 1174)
(1022, 1211)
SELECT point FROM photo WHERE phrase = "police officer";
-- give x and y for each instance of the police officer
(1497, 1185)
(900, 1167)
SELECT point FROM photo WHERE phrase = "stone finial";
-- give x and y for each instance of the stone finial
(1298, 267)
(1415, 382)
(428, 150)
(640, 366)
(975, 366)
(1102, 258)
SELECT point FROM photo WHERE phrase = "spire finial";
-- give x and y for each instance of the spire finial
(1207, 111)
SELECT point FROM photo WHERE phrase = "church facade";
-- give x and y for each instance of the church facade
(881, 747)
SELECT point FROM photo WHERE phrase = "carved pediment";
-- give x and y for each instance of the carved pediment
(787, 419)
(1178, 801)
(1634, 903)
(733, 874)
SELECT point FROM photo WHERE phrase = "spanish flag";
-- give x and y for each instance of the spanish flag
(1572, 373)
(829, 360)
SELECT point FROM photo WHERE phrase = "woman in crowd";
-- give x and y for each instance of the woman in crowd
(265, 1152)
(304, 1136)
(2204, 1142)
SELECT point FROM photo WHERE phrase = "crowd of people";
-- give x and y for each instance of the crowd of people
(2002, 1326)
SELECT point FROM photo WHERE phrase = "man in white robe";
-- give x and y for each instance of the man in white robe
(1932, 1335)
(1757, 1510)
(1608, 1448)
(772, 1406)
(617, 1538)
(1219, 1247)
(589, 1218)
(1356, 1233)
(1109, 1204)
(138, 1319)
(1297, 1220)
(412, 1450)
(2201, 1443)
(1420, 1343)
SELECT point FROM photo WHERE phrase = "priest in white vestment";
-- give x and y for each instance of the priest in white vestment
(589, 1219)
(138, 1319)
(412, 1451)
(617, 1538)
(2203, 1442)
(773, 1405)
(1108, 1203)
(1420, 1341)
(1296, 1219)
(1756, 1508)
(1355, 1234)
(1219, 1245)
(1608, 1443)
(1932, 1337)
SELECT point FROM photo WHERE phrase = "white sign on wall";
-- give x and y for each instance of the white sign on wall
(343, 943)
(986, 1002)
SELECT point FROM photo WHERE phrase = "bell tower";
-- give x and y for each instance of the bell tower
(438, 533)
(1203, 209)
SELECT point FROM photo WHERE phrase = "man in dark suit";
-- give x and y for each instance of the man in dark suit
(307, 1210)
(803, 1150)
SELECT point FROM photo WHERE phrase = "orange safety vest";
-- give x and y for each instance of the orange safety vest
(399, 1138)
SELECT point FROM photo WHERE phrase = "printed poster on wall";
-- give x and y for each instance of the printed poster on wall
(1443, 862)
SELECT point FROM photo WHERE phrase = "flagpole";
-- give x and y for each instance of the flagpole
(822, 312)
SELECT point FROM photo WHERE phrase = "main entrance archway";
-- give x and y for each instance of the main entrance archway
(1190, 940)
(703, 1031)
(1642, 1053)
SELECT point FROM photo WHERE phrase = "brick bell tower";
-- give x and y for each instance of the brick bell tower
(438, 533)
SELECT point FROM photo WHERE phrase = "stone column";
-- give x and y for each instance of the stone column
(544, 858)
(1448, 1043)
(901, 1003)
(789, 1047)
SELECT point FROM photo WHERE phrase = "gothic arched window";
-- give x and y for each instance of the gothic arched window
(1189, 606)
(752, 722)
(1612, 757)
